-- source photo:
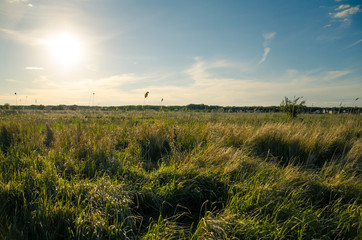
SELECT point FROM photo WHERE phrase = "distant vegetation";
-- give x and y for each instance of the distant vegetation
(190, 107)
(111, 174)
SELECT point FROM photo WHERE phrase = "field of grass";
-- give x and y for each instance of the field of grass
(173, 175)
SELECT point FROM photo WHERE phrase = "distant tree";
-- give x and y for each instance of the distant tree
(73, 107)
(7, 106)
(292, 107)
(59, 107)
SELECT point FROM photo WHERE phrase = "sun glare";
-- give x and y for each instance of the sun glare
(66, 49)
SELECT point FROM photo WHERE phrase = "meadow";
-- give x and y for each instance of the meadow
(179, 175)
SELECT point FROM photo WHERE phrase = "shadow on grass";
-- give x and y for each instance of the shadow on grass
(185, 197)
(294, 151)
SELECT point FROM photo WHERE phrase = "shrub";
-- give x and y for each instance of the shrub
(292, 107)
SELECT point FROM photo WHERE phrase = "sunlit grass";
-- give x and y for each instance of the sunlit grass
(149, 175)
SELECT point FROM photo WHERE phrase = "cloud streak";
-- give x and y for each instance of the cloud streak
(17, 1)
(266, 52)
(34, 68)
(24, 37)
(356, 43)
(11, 80)
(268, 37)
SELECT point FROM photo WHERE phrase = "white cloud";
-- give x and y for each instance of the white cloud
(24, 37)
(198, 71)
(333, 75)
(269, 36)
(356, 43)
(17, 1)
(11, 80)
(345, 12)
(21, 1)
(316, 85)
(108, 90)
(107, 83)
(34, 68)
(266, 52)
(204, 86)
(342, 6)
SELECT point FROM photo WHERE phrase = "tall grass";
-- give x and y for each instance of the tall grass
(145, 175)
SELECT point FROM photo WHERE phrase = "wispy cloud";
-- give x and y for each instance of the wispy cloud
(34, 68)
(24, 37)
(333, 75)
(21, 1)
(268, 37)
(356, 43)
(11, 80)
(344, 12)
(342, 7)
(109, 90)
(106, 83)
(316, 85)
(204, 72)
(266, 52)
(17, 1)
(205, 85)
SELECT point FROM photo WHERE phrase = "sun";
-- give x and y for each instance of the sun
(66, 49)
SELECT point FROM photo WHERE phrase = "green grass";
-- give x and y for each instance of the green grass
(152, 175)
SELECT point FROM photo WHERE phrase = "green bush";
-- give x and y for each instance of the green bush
(292, 107)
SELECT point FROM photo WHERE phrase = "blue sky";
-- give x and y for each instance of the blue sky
(231, 53)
